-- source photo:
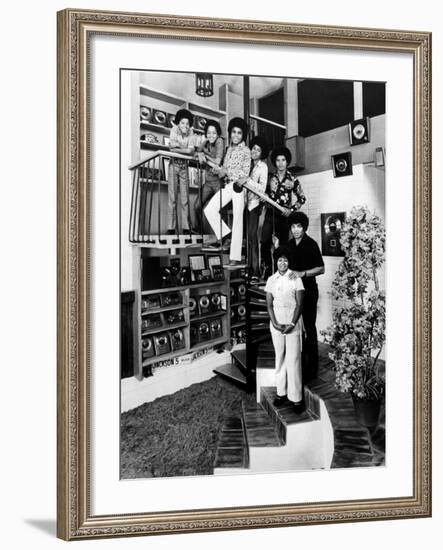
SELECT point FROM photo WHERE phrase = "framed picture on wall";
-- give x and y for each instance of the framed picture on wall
(331, 225)
(115, 214)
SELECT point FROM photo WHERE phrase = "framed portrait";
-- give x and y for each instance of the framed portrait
(305, 433)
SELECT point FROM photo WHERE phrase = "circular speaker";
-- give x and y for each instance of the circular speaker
(359, 131)
(204, 301)
(341, 165)
(192, 304)
(215, 299)
(215, 324)
(232, 292)
(203, 328)
(161, 340)
(178, 336)
(147, 344)
(241, 311)
(242, 290)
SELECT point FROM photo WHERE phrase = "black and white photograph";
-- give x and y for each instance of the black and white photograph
(252, 274)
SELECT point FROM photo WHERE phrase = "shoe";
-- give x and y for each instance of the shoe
(226, 243)
(236, 263)
(215, 247)
(280, 400)
(299, 407)
(171, 232)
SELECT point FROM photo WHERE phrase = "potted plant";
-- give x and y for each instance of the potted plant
(357, 333)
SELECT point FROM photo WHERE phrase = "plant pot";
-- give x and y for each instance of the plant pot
(367, 411)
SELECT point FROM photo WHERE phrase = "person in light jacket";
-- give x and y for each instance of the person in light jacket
(284, 297)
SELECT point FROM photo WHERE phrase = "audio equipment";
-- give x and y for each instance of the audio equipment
(216, 328)
(241, 312)
(215, 302)
(184, 277)
(204, 333)
(174, 317)
(359, 131)
(152, 322)
(177, 339)
(147, 348)
(204, 304)
(171, 299)
(193, 333)
(161, 343)
(193, 306)
(150, 302)
(241, 289)
(342, 164)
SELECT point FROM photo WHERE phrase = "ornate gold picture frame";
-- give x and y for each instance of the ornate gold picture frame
(76, 518)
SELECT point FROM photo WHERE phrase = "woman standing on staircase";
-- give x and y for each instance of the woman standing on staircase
(284, 297)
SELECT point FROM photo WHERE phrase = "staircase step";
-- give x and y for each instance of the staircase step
(284, 416)
(260, 316)
(257, 292)
(256, 327)
(254, 302)
(232, 373)
(260, 431)
(239, 358)
(261, 338)
(232, 449)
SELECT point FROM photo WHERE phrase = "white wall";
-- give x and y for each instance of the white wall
(326, 194)
(29, 269)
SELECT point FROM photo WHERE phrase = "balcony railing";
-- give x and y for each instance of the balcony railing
(149, 201)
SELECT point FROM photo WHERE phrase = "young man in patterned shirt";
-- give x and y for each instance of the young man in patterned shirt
(284, 189)
(236, 166)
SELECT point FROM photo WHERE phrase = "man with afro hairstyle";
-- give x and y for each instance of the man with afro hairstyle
(285, 190)
(236, 165)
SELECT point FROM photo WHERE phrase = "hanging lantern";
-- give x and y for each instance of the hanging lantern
(204, 84)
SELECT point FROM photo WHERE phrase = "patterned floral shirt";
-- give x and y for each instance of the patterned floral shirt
(286, 192)
(237, 162)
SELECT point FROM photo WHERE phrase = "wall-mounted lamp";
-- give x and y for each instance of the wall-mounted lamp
(204, 84)
(379, 159)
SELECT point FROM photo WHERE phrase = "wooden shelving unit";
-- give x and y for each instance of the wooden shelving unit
(196, 290)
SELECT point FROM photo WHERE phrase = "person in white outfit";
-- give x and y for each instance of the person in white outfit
(236, 166)
(284, 297)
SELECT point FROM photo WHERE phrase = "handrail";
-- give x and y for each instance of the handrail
(266, 121)
(163, 153)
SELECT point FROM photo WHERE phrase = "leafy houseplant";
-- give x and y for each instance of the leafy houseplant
(357, 333)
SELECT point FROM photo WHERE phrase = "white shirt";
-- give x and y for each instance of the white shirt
(283, 291)
(258, 179)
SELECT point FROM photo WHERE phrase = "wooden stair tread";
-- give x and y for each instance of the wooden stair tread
(231, 372)
(239, 356)
(260, 431)
(285, 414)
(232, 450)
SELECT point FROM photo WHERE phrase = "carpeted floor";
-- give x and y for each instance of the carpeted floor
(176, 435)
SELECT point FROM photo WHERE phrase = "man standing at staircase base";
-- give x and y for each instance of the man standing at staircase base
(306, 261)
